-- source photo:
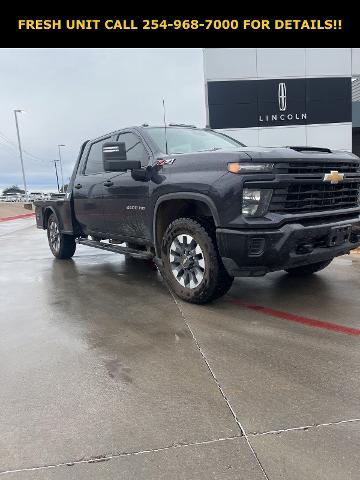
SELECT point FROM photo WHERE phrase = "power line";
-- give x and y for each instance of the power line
(6, 145)
(13, 152)
(4, 137)
(34, 156)
(13, 144)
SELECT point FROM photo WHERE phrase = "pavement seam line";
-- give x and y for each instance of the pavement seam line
(106, 457)
(304, 427)
(242, 430)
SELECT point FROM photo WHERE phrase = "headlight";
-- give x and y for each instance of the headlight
(255, 202)
(249, 167)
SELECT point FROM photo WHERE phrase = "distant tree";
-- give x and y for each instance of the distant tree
(65, 188)
(13, 189)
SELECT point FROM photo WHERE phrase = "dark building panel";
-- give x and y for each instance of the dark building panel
(232, 106)
(236, 115)
(328, 88)
(329, 111)
(229, 92)
(328, 100)
(254, 103)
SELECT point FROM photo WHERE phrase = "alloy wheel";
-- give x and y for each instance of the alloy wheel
(54, 236)
(187, 261)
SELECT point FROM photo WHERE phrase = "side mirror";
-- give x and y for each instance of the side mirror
(142, 174)
(114, 158)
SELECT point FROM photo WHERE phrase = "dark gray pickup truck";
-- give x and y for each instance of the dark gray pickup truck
(205, 207)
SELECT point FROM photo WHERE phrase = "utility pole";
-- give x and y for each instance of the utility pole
(57, 177)
(20, 152)
(61, 169)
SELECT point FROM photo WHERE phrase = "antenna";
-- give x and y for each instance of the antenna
(166, 144)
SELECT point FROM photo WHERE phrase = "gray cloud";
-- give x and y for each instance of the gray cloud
(71, 95)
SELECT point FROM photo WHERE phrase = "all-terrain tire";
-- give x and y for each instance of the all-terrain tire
(191, 262)
(308, 269)
(61, 246)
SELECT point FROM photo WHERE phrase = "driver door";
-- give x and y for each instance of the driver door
(126, 200)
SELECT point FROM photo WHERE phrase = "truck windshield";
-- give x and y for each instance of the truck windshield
(188, 140)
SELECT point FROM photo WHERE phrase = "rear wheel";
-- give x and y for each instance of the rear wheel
(191, 263)
(308, 269)
(61, 246)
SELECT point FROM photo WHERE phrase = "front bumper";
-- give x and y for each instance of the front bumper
(256, 252)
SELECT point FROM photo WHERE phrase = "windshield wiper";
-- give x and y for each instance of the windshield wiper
(196, 151)
(210, 149)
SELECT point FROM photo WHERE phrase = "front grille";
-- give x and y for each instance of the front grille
(299, 167)
(311, 197)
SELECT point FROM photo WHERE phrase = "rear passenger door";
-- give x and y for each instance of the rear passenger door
(89, 190)
(127, 200)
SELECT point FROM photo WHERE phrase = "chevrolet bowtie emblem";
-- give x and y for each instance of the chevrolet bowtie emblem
(334, 177)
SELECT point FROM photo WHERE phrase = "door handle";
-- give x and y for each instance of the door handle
(108, 183)
(78, 185)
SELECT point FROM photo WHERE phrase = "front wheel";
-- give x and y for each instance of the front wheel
(191, 263)
(61, 246)
(308, 269)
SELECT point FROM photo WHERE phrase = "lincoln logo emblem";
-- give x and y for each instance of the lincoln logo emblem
(282, 97)
(283, 114)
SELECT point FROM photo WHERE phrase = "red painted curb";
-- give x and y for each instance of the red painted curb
(297, 318)
(17, 217)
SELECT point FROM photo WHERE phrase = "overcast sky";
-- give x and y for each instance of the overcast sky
(71, 95)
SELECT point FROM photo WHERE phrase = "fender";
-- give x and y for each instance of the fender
(184, 196)
(52, 210)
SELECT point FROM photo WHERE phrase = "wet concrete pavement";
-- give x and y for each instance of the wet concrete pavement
(105, 375)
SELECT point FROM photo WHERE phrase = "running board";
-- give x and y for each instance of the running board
(115, 248)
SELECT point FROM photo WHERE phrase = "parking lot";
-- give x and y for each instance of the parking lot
(104, 374)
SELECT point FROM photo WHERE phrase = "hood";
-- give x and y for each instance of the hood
(286, 154)
(218, 159)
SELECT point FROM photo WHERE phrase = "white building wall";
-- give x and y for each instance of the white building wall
(283, 63)
(355, 62)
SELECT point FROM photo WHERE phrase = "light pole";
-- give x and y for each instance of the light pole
(20, 152)
(61, 169)
(57, 177)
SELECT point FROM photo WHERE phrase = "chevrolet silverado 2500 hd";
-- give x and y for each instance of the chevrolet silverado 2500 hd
(207, 208)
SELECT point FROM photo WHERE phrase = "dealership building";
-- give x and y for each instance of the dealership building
(273, 97)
